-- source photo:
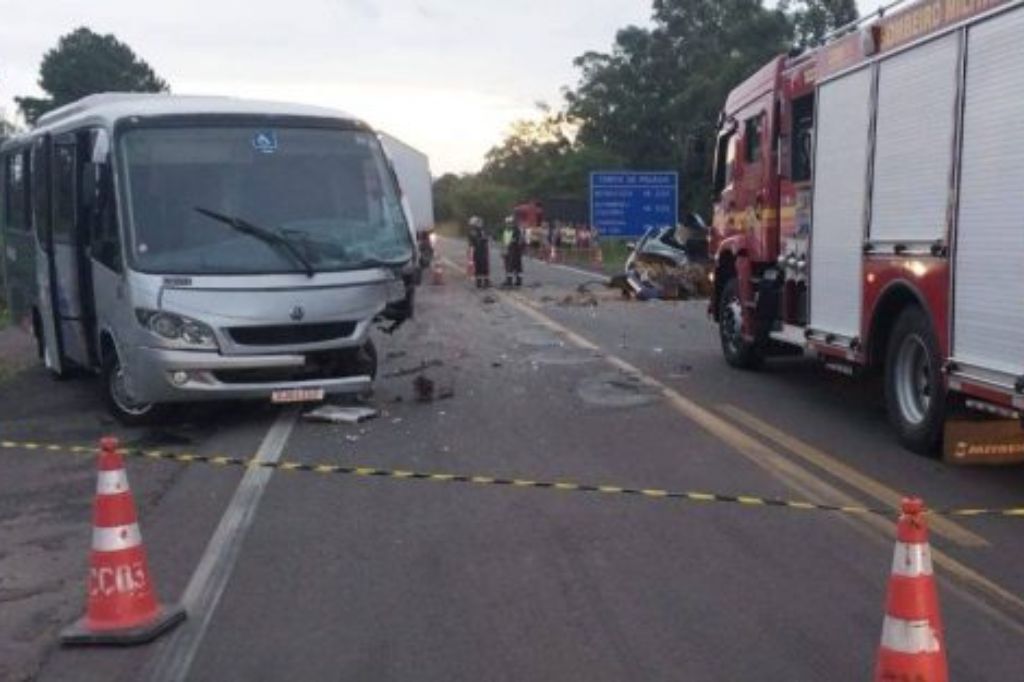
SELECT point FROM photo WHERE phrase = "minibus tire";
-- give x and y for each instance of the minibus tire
(915, 393)
(148, 414)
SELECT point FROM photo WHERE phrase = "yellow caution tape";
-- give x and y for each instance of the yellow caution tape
(565, 486)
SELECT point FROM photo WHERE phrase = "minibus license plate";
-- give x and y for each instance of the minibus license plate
(297, 395)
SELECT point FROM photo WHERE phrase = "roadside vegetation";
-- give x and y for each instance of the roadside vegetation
(651, 102)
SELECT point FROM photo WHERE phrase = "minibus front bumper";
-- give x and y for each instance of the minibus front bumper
(161, 375)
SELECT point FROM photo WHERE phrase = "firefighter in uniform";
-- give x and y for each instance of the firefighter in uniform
(479, 244)
(512, 245)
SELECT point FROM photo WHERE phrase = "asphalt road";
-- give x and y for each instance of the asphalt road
(297, 575)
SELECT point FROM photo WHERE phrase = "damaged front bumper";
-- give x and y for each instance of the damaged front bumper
(162, 375)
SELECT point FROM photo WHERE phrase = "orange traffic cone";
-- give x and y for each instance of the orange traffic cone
(913, 647)
(122, 607)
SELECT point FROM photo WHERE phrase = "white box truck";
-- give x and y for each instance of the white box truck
(412, 169)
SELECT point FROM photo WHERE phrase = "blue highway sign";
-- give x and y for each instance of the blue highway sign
(628, 203)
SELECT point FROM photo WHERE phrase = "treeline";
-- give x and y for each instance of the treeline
(651, 102)
(83, 63)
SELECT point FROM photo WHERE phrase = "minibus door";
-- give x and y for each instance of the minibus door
(46, 302)
(69, 277)
(73, 277)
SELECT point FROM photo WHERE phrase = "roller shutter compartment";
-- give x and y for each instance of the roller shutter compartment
(989, 273)
(840, 178)
(914, 143)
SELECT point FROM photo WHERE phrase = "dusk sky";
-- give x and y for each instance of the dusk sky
(446, 76)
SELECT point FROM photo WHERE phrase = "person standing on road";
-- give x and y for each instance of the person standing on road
(512, 245)
(480, 246)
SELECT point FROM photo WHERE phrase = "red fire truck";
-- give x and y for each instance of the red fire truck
(870, 210)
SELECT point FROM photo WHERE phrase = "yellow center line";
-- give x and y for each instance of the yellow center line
(848, 475)
(810, 486)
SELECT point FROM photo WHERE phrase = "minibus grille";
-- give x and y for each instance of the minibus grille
(322, 365)
(291, 334)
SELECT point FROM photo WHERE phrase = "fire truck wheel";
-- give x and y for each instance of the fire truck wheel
(738, 351)
(915, 395)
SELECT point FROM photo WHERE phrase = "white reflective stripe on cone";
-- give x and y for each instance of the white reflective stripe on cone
(912, 561)
(112, 482)
(909, 636)
(116, 538)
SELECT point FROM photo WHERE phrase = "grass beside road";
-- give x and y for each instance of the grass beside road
(613, 257)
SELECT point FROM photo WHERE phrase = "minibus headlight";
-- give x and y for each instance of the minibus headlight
(177, 328)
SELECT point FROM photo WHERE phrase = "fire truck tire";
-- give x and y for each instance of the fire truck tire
(915, 394)
(738, 351)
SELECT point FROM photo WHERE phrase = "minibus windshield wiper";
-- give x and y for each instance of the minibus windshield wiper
(378, 263)
(263, 234)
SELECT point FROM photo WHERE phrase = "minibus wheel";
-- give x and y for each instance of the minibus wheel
(119, 401)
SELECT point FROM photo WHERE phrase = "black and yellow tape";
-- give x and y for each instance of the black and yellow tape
(562, 486)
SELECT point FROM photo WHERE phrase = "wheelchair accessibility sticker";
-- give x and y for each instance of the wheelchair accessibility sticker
(265, 142)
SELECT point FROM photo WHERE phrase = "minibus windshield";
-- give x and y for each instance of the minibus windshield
(326, 193)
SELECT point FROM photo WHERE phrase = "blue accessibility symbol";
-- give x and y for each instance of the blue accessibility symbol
(265, 142)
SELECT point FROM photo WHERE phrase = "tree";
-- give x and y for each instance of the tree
(84, 63)
(814, 19)
(654, 99)
(542, 159)
(457, 198)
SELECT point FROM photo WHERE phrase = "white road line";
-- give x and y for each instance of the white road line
(173, 659)
(577, 271)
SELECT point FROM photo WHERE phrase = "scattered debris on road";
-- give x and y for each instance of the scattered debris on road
(428, 390)
(335, 414)
(615, 389)
(410, 371)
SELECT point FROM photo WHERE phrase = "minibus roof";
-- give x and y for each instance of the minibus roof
(109, 108)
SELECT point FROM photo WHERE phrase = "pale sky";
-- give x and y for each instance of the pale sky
(447, 76)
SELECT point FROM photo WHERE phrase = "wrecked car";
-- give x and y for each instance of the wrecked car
(668, 262)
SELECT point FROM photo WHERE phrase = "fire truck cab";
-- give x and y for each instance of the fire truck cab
(869, 208)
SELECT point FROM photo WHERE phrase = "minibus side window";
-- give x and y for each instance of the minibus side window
(40, 193)
(16, 193)
(104, 234)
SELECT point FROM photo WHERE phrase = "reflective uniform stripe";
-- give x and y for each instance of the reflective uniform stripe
(909, 636)
(116, 538)
(911, 560)
(112, 482)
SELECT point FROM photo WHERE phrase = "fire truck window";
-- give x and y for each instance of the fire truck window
(724, 160)
(753, 135)
(803, 139)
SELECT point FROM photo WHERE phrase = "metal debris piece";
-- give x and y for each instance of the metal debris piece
(335, 414)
